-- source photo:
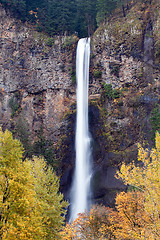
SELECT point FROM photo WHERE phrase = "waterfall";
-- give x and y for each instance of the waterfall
(80, 192)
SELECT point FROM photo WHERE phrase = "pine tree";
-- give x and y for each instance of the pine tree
(104, 8)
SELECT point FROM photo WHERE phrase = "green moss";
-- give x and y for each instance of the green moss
(69, 41)
(155, 120)
(110, 92)
(14, 104)
(44, 147)
(50, 42)
(97, 73)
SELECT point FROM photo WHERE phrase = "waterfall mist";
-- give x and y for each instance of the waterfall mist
(80, 192)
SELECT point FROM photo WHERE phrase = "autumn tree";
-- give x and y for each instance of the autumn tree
(17, 196)
(52, 208)
(129, 219)
(31, 206)
(145, 177)
(93, 225)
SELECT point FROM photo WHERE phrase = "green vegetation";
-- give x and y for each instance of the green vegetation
(65, 16)
(73, 77)
(44, 148)
(41, 147)
(114, 68)
(97, 73)
(14, 103)
(69, 41)
(23, 134)
(104, 9)
(155, 120)
(110, 92)
(50, 42)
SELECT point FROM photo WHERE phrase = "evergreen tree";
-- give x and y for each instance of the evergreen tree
(104, 8)
(17, 7)
(85, 17)
(63, 17)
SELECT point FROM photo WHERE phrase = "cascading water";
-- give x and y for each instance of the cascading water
(80, 192)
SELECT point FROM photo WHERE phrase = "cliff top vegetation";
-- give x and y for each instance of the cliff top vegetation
(67, 16)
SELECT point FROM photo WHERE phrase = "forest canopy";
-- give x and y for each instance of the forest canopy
(65, 16)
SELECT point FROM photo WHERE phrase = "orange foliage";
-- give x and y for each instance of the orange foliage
(127, 222)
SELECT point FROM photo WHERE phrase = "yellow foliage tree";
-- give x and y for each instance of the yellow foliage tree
(50, 202)
(93, 225)
(17, 195)
(31, 208)
(130, 218)
(146, 178)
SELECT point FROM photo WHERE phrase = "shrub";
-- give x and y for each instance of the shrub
(69, 41)
(73, 76)
(97, 73)
(14, 105)
(110, 92)
(155, 120)
(114, 69)
(50, 42)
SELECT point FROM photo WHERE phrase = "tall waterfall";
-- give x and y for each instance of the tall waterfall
(80, 192)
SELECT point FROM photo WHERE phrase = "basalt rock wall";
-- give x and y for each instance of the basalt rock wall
(124, 95)
(35, 76)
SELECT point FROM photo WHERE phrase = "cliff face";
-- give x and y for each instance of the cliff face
(126, 63)
(124, 95)
(35, 78)
(37, 90)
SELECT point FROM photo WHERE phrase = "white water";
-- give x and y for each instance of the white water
(81, 183)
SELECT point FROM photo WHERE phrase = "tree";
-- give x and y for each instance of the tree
(18, 219)
(146, 178)
(31, 206)
(85, 23)
(17, 7)
(57, 17)
(44, 148)
(130, 218)
(104, 8)
(137, 212)
(52, 207)
(93, 225)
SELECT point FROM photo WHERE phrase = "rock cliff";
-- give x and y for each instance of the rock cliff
(35, 79)
(37, 91)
